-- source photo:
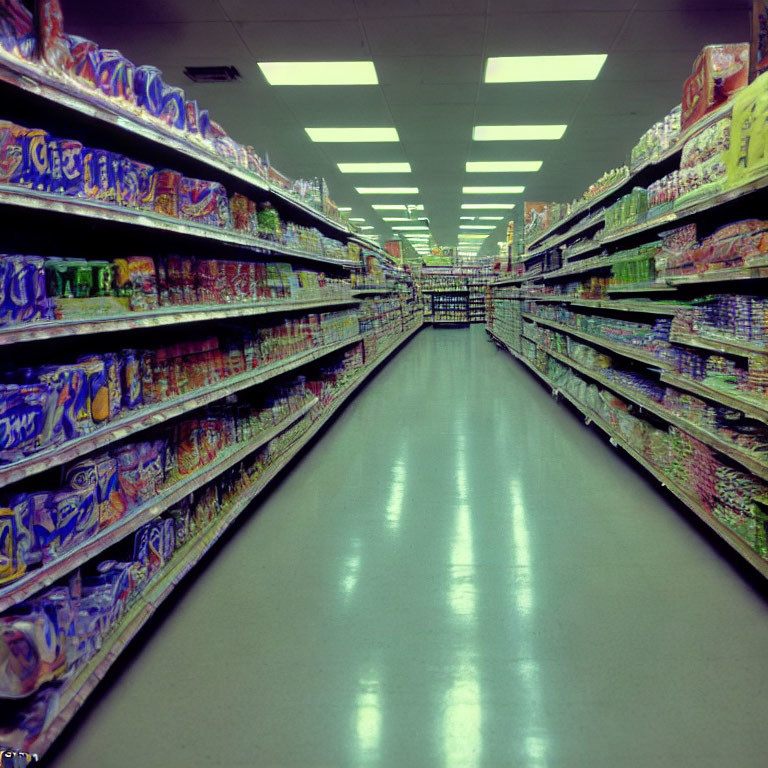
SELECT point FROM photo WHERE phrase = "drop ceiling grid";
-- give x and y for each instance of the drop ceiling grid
(429, 55)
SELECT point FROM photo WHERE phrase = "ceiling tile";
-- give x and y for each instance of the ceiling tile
(663, 65)
(336, 40)
(371, 9)
(85, 14)
(288, 10)
(419, 93)
(337, 106)
(608, 98)
(537, 34)
(504, 7)
(682, 30)
(431, 35)
(447, 70)
(529, 103)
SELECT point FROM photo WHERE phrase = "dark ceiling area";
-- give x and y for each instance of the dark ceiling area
(430, 59)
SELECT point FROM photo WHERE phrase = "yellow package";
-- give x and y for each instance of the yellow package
(747, 155)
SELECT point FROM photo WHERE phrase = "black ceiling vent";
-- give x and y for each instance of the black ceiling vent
(212, 74)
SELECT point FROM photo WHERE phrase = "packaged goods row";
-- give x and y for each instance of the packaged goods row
(32, 159)
(35, 290)
(58, 402)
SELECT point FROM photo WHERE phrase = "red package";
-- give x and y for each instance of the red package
(718, 72)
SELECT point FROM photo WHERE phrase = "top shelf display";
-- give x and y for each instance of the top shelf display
(73, 78)
(649, 166)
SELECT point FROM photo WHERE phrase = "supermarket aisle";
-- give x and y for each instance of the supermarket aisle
(421, 592)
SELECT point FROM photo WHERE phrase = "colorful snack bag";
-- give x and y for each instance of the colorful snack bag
(21, 504)
(24, 412)
(141, 271)
(115, 76)
(167, 184)
(30, 654)
(101, 171)
(146, 184)
(85, 62)
(83, 478)
(173, 111)
(12, 564)
(148, 84)
(204, 202)
(188, 447)
(131, 379)
(98, 387)
(112, 369)
(128, 183)
(129, 474)
(23, 155)
(151, 454)
(17, 29)
(66, 163)
(110, 497)
(191, 117)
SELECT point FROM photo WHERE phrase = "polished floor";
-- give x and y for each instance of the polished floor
(459, 575)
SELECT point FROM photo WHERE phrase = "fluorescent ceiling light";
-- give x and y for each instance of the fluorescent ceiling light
(492, 190)
(467, 236)
(507, 166)
(383, 207)
(518, 132)
(345, 209)
(319, 72)
(490, 218)
(477, 226)
(356, 219)
(414, 226)
(487, 206)
(366, 227)
(350, 135)
(374, 167)
(395, 218)
(387, 190)
(538, 69)
(467, 218)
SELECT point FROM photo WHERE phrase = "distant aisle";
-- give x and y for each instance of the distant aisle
(457, 575)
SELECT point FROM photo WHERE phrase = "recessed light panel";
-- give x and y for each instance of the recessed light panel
(490, 218)
(539, 69)
(352, 135)
(477, 226)
(374, 167)
(387, 190)
(395, 218)
(507, 166)
(345, 209)
(319, 72)
(366, 227)
(356, 219)
(387, 207)
(518, 132)
(413, 227)
(486, 206)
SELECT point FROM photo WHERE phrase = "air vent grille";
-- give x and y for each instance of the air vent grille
(212, 74)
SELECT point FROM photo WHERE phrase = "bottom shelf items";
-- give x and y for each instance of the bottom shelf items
(35, 719)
